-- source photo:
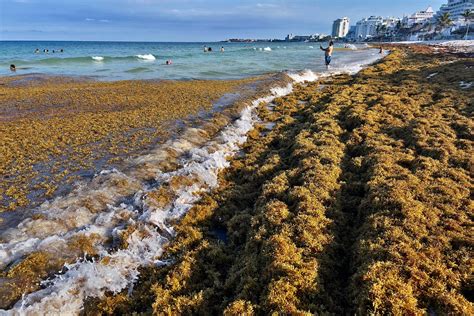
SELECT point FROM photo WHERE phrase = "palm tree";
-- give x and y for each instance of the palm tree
(399, 25)
(383, 29)
(467, 15)
(444, 21)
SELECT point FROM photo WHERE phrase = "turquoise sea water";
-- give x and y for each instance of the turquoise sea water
(126, 60)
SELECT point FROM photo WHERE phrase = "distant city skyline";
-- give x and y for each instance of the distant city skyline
(186, 20)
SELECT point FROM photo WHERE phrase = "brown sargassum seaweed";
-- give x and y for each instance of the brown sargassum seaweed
(357, 202)
(55, 130)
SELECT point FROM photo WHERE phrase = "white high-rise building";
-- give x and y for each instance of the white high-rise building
(340, 27)
(455, 8)
(419, 17)
(367, 27)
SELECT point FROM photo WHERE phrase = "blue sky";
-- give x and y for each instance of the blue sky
(185, 20)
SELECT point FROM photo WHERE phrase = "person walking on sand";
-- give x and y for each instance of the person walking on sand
(328, 53)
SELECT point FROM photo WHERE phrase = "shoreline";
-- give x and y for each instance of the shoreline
(46, 85)
(219, 119)
(276, 209)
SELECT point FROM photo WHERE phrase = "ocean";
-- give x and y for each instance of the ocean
(130, 61)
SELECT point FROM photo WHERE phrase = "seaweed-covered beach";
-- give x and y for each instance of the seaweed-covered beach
(358, 201)
(350, 194)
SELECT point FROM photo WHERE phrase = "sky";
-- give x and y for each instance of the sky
(186, 20)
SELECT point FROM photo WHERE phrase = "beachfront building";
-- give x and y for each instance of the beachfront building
(340, 27)
(351, 35)
(390, 22)
(367, 27)
(420, 17)
(304, 38)
(289, 37)
(375, 26)
(455, 8)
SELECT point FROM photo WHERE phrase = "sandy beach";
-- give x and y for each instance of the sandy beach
(347, 194)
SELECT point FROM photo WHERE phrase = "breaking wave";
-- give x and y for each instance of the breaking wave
(85, 59)
(146, 57)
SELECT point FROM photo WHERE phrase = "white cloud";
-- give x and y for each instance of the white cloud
(267, 5)
(95, 20)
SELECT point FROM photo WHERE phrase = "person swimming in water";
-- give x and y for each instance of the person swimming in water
(169, 62)
(328, 53)
(222, 49)
(12, 68)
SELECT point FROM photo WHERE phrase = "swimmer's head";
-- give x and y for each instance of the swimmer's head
(12, 67)
(331, 43)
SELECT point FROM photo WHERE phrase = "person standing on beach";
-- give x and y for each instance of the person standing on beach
(328, 53)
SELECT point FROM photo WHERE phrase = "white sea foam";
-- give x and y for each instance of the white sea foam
(98, 58)
(351, 46)
(306, 75)
(146, 57)
(465, 85)
(267, 49)
(311, 47)
(309, 75)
